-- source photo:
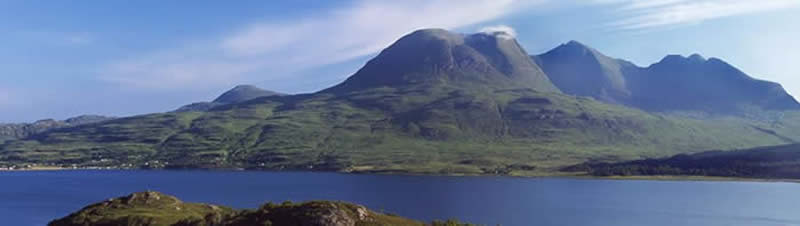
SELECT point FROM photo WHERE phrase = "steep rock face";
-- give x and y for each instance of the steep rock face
(676, 83)
(439, 57)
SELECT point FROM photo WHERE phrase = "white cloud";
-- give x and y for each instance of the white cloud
(280, 48)
(501, 31)
(647, 14)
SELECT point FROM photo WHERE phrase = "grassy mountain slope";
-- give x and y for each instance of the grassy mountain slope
(461, 105)
(434, 130)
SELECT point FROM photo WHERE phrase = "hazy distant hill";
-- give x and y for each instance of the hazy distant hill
(22, 130)
(676, 83)
(433, 102)
(238, 94)
(762, 162)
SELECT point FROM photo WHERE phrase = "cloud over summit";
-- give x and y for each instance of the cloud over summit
(501, 31)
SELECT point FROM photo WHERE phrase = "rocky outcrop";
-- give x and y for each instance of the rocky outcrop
(157, 209)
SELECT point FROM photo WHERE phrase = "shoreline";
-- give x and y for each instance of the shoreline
(556, 175)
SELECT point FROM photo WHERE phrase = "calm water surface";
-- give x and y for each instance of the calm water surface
(34, 198)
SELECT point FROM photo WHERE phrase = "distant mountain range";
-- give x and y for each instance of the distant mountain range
(773, 162)
(21, 130)
(447, 103)
(676, 83)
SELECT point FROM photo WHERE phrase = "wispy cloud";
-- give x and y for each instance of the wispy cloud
(273, 49)
(648, 14)
(502, 31)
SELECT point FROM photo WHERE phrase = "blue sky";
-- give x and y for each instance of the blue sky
(66, 58)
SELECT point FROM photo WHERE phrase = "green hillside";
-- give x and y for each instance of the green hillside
(427, 130)
(462, 105)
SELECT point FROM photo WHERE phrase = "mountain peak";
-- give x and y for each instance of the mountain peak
(430, 34)
(571, 49)
(578, 69)
(438, 56)
(573, 43)
(242, 93)
(710, 85)
(238, 94)
(697, 58)
(245, 87)
(680, 59)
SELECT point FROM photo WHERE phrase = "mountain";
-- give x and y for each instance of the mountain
(779, 162)
(157, 209)
(712, 85)
(242, 93)
(438, 57)
(22, 130)
(579, 70)
(238, 94)
(676, 83)
(433, 102)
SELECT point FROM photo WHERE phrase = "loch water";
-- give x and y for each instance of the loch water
(33, 198)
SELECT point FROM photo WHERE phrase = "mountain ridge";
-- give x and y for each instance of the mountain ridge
(237, 94)
(675, 83)
(22, 130)
(434, 102)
